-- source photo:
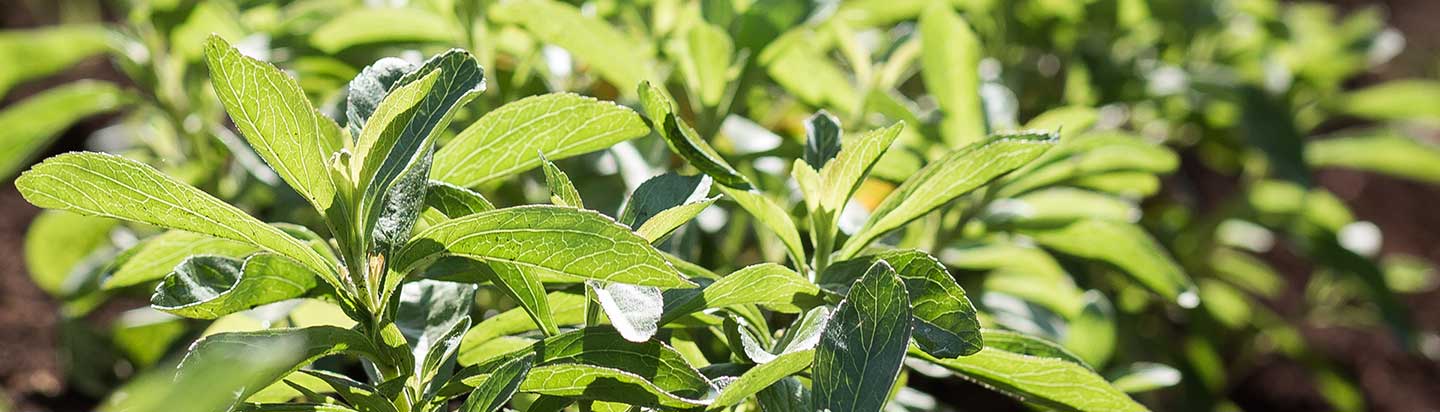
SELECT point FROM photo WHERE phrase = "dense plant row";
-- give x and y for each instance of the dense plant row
(774, 205)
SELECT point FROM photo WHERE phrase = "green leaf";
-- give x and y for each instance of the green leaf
(706, 61)
(455, 201)
(1014, 268)
(1050, 382)
(786, 395)
(305, 344)
(296, 407)
(945, 322)
(43, 51)
(802, 335)
(616, 57)
(525, 286)
(954, 175)
(1384, 152)
(214, 382)
(772, 216)
(375, 25)
(362, 396)
(662, 224)
(208, 287)
(562, 190)
(97, 184)
(497, 389)
(1144, 377)
(822, 139)
(842, 176)
(570, 311)
(684, 140)
(393, 151)
(365, 92)
(433, 316)
(570, 241)
(559, 125)
(1094, 154)
(1126, 247)
(664, 203)
(276, 117)
(155, 257)
(807, 72)
(1057, 206)
(1023, 344)
(783, 289)
(863, 345)
(633, 310)
(60, 247)
(1412, 99)
(950, 60)
(763, 376)
(1091, 333)
(30, 125)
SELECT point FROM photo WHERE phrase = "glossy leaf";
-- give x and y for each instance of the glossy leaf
(505, 141)
(104, 185)
(276, 117)
(633, 310)
(945, 321)
(954, 175)
(570, 241)
(863, 344)
(33, 123)
(208, 287)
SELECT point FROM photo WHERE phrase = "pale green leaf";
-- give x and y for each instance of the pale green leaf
(30, 125)
(616, 57)
(795, 63)
(497, 388)
(455, 201)
(842, 176)
(950, 64)
(61, 246)
(783, 289)
(276, 117)
(208, 287)
(706, 62)
(1126, 247)
(305, 345)
(662, 224)
(861, 350)
(1144, 377)
(762, 376)
(364, 397)
(505, 140)
(525, 286)
(1089, 156)
(1023, 344)
(154, 258)
(377, 25)
(663, 192)
(1050, 382)
(365, 92)
(954, 175)
(570, 310)
(772, 216)
(111, 186)
(684, 140)
(1413, 99)
(945, 322)
(562, 190)
(39, 52)
(570, 241)
(1385, 152)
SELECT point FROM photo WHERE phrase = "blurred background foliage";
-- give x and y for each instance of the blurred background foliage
(1282, 153)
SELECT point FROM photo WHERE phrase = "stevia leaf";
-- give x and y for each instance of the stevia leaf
(214, 382)
(1091, 333)
(762, 376)
(393, 152)
(842, 176)
(505, 140)
(433, 316)
(793, 61)
(297, 407)
(684, 140)
(497, 389)
(305, 344)
(276, 117)
(802, 335)
(954, 175)
(570, 310)
(772, 216)
(945, 322)
(783, 289)
(785, 395)
(1413, 99)
(208, 287)
(562, 190)
(706, 61)
(32, 123)
(365, 92)
(1050, 382)
(616, 57)
(590, 382)
(154, 258)
(662, 224)
(863, 344)
(97, 184)
(455, 201)
(633, 310)
(1058, 206)
(1071, 121)
(1090, 155)
(42, 51)
(1127, 247)
(61, 247)
(822, 139)
(374, 25)
(570, 241)
(1023, 344)
(525, 286)
(362, 396)
(950, 57)
(1385, 152)
(1014, 268)
(1144, 377)
(663, 192)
